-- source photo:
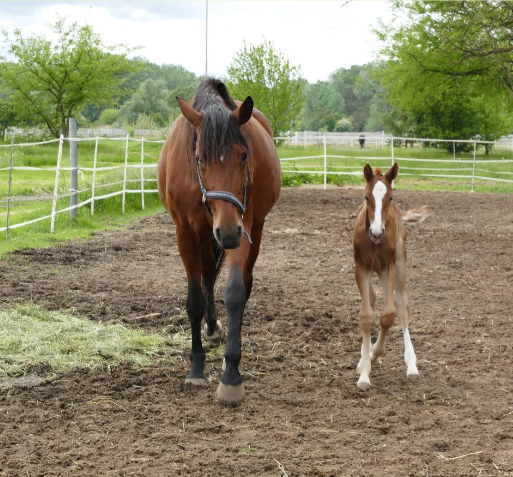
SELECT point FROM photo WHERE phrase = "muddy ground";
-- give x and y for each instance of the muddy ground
(303, 414)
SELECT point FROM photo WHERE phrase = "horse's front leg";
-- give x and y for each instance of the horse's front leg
(195, 303)
(231, 387)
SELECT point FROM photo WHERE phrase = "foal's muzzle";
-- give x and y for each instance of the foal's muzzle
(376, 238)
(228, 240)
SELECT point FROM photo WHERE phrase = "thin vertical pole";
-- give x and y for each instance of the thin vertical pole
(393, 159)
(325, 164)
(124, 176)
(206, 37)
(304, 138)
(11, 163)
(142, 173)
(454, 149)
(56, 185)
(73, 164)
(473, 168)
(382, 138)
(295, 139)
(95, 160)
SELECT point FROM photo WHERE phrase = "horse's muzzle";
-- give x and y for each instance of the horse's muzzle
(229, 240)
(376, 238)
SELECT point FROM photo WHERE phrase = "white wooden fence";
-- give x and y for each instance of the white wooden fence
(473, 169)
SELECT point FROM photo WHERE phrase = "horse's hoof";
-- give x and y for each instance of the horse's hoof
(196, 381)
(364, 385)
(412, 373)
(217, 336)
(231, 395)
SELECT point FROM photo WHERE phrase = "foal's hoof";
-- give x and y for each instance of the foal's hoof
(217, 336)
(231, 395)
(363, 385)
(196, 381)
(412, 374)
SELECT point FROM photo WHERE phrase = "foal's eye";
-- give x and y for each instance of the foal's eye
(244, 157)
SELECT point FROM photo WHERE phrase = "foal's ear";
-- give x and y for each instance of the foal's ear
(367, 172)
(189, 112)
(392, 172)
(243, 113)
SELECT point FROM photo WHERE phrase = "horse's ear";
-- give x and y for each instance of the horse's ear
(392, 172)
(243, 113)
(189, 112)
(367, 172)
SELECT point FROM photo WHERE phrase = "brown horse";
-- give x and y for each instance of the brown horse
(219, 176)
(379, 245)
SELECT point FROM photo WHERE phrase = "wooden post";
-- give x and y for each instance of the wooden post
(125, 176)
(73, 164)
(142, 173)
(95, 160)
(325, 164)
(56, 185)
(11, 163)
(473, 168)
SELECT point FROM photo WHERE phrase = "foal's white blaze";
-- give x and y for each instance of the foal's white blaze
(378, 192)
(409, 355)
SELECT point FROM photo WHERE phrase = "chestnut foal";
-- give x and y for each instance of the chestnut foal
(379, 246)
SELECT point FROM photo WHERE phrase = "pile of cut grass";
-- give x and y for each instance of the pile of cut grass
(33, 337)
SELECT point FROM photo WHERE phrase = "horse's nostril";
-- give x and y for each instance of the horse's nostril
(239, 230)
(218, 234)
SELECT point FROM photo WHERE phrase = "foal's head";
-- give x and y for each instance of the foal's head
(222, 152)
(378, 194)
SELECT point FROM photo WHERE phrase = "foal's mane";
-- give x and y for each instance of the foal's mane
(219, 129)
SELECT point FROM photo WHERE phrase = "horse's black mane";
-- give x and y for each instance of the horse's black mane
(219, 130)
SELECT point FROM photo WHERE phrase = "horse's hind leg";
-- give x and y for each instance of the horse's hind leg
(211, 260)
(401, 303)
(195, 304)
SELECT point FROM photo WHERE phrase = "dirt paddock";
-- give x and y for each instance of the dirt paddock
(303, 414)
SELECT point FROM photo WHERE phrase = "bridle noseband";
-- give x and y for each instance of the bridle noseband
(222, 195)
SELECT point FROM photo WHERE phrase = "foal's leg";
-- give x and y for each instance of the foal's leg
(372, 298)
(388, 313)
(363, 279)
(401, 303)
(212, 331)
(231, 387)
(195, 304)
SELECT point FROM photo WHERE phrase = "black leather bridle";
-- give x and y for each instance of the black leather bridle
(222, 195)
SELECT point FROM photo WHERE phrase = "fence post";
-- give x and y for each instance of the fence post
(95, 160)
(393, 159)
(56, 185)
(295, 138)
(454, 149)
(142, 173)
(383, 138)
(304, 138)
(473, 168)
(325, 164)
(73, 164)
(124, 176)
(11, 163)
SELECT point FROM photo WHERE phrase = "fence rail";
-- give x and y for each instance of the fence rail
(473, 169)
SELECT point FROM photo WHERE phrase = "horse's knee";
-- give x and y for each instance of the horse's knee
(366, 323)
(387, 318)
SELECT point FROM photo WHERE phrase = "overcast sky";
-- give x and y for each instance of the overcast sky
(320, 36)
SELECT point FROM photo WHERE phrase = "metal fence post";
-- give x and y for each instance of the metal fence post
(124, 176)
(56, 186)
(473, 168)
(325, 164)
(11, 163)
(454, 149)
(73, 164)
(95, 160)
(142, 173)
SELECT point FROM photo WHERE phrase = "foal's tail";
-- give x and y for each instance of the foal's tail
(416, 215)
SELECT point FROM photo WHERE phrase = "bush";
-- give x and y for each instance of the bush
(108, 116)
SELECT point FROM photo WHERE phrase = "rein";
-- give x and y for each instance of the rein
(221, 195)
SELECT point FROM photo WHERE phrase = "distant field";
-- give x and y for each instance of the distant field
(32, 190)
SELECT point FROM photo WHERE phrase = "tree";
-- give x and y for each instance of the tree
(150, 99)
(456, 39)
(323, 107)
(51, 82)
(8, 115)
(276, 86)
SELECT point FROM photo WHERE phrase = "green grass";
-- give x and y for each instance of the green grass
(32, 337)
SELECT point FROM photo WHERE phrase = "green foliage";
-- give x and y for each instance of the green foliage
(108, 116)
(343, 125)
(276, 86)
(324, 105)
(51, 82)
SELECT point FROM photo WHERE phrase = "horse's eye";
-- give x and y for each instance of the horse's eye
(244, 157)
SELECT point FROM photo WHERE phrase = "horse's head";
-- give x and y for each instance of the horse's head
(222, 154)
(378, 194)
